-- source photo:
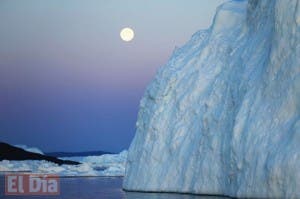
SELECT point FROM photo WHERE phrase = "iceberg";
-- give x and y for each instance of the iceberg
(222, 116)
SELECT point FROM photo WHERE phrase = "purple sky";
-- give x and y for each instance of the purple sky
(67, 80)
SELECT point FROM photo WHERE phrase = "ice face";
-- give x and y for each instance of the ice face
(222, 116)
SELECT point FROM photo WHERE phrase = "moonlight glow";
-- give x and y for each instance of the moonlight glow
(127, 34)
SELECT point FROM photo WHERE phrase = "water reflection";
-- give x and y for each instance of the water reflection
(137, 195)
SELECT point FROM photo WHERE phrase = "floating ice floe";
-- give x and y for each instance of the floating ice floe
(104, 165)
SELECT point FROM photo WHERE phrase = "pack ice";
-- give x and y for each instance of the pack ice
(222, 116)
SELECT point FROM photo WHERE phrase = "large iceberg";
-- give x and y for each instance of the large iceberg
(222, 116)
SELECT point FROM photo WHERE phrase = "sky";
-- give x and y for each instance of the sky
(67, 80)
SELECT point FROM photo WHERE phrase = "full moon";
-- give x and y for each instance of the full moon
(127, 34)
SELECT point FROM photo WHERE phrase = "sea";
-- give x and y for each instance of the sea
(99, 188)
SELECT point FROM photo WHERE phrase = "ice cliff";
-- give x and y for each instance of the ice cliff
(222, 116)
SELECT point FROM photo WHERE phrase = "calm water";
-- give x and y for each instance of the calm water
(99, 188)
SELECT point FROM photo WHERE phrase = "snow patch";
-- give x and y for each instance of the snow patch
(30, 149)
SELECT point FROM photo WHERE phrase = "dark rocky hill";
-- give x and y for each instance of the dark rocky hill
(9, 152)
